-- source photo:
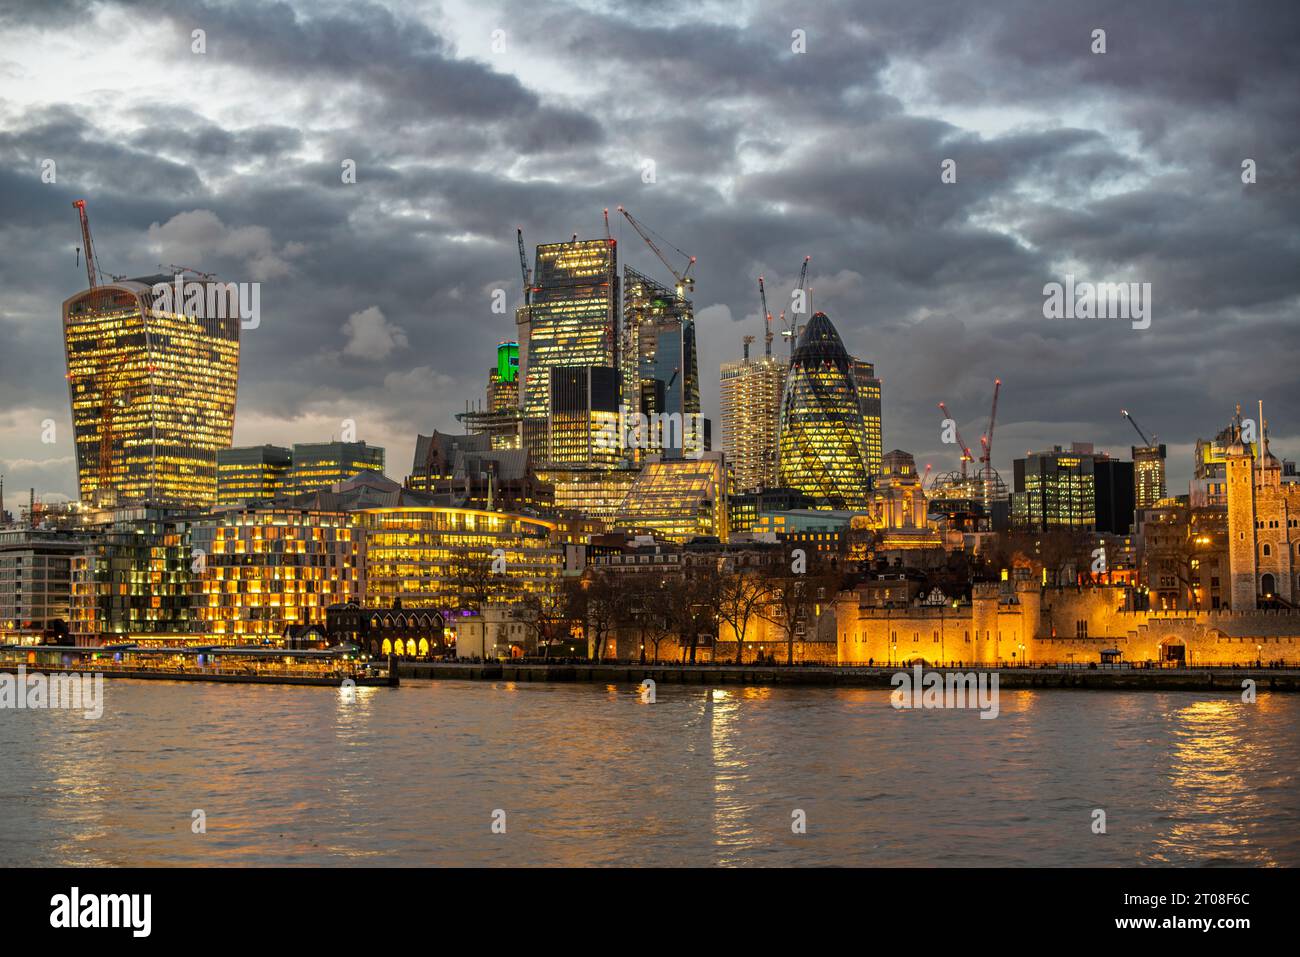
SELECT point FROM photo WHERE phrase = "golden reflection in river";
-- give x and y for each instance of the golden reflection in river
(76, 765)
(1213, 784)
(593, 776)
(730, 827)
(733, 811)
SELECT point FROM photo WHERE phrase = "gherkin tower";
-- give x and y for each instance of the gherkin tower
(823, 434)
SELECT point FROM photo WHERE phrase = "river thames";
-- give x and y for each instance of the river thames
(591, 775)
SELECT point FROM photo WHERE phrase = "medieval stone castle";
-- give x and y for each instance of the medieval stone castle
(1022, 620)
(1010, 622)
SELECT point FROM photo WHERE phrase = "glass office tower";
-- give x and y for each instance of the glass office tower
(660, 362)
(571, 321)
(152, 394)
(823, 443)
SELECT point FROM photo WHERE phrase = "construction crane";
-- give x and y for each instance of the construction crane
(111, 400)
(747, 340)
(986, 457)
(523, 267)
(926, 474)
(87, 243)
(791, 330)
(965, 449)
(93, 272)
(767, 320)
(685, 281)
(175, 270)
(1133, 422)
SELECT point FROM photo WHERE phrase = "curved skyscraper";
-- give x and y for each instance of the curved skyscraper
(824, 449)
(152, 387)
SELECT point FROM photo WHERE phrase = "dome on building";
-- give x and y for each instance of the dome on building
(823, 443)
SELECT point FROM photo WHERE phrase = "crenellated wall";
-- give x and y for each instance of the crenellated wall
(1004, 625)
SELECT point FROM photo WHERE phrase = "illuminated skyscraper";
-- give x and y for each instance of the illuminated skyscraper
(751, 417)
(584, 419)
(152, 392)
(1076, 490)
(659, 360)
(571, 321)
(503, 379)
(1148, 474)
(869, 397)
(823, 440)
(500, 417)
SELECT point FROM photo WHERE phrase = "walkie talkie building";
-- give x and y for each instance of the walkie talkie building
(152, 393)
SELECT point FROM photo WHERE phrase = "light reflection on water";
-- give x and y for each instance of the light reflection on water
(592, 775)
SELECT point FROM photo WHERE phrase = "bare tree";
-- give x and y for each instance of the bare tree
(790, 597)
(741, 595)
(545, 615)
(475, 582)
(647, 610)
(692, 606)
(602, 601)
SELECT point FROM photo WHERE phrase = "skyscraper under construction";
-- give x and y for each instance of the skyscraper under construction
(152, 391)
(572, 321)
(751, 416)
(660, 370)
(823, 440)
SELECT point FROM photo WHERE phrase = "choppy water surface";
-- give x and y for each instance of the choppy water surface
(589, 775)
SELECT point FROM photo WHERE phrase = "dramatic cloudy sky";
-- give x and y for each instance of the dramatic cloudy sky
(376, 297)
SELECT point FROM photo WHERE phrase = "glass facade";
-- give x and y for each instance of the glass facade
(823, 439)
(133, 577)
(250, 473)
(678, 499)
(584, 419)
(321, 464)
(431, 557)
(1054, 490)
(869, 397)
(589, 492)
(266, 569)
(152, 394)
(572, 321)
(660, 366)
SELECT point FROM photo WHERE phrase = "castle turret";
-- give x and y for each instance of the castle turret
(1240, 467)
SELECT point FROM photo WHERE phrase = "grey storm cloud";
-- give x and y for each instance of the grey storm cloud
(377, 296)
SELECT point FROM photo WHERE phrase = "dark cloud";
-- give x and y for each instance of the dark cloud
(1122, 166)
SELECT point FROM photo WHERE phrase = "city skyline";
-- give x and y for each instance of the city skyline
(378, 301)
(610, 434)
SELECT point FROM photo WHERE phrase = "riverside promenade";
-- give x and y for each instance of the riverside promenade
(1222, 679)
